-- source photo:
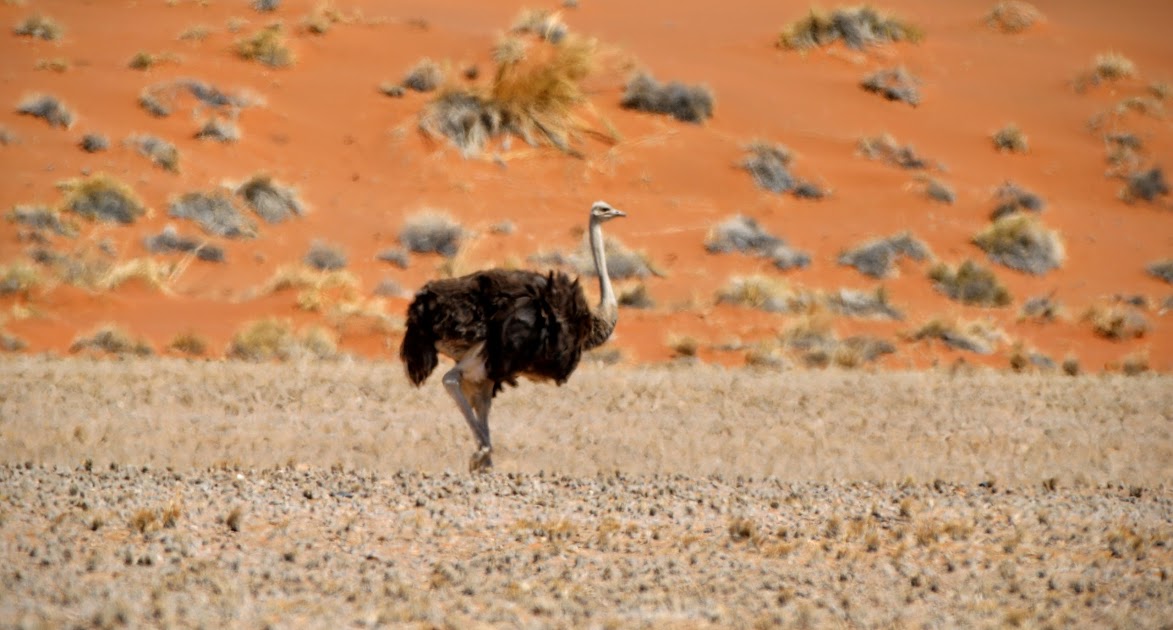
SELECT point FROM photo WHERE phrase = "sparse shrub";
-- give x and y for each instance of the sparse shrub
(42, 218)
(876, 258)
(635, 296)
(55, 64)
(1041, 309)
(969, 283)
(300, 277)
(220, 130)
(101, 197)
(541, 22)
(189, 343)
(1012, 16)
(160, 99)
(979, 337)
(215, 212)
(389, 288)
(198, 33)
(425, 76)
(1071, 366)
(684, 346)
(271, 200)
(1019, 241)
(1023, 359)
(686, 103)
(11, 343)
(396, 256)
(1135, 363)
(145, 270)
(855, 303)
(885, 148)
(894, 84)
(267, 46)
(743, 234)
(1117, 322)
(94, 142)
(1013, 198)
(1162, 269)
(269, 339)
(18, 278)
(813, 339)
(325, 257)
(162, 153)
(40, 27)
(143, 60)
(113, 340)
(768, 164)
(169, 240)
(432, 232)
(761, 292)
(321, 19)
(143, 520)
(939, 191)
(265, 6)
(1010, 138)
(1109, 66)
(1145, 186)
(47, 108)
(857, 27)
(861, 349)
(394, 90)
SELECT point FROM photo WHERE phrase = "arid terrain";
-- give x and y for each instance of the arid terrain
(311, 495)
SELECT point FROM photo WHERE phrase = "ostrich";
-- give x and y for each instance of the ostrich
(499, 324)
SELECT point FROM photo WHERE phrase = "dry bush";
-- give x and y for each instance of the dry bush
(11, 343)
(1040, 309)
(1162, 269)
(161, 99)
(1013, 16)
(876, 258)
(764, 293)
(196, 33)
(396, 256)
(1071, 366)
(162, 153)
(216, 213)
(894, 84)
(102, 197)
(426, 75)
(267, 46)
(271, 338)
(743, 234)
(300, 278)
(969, 283)
(40, 27)
(153, 274)
(189, 343)
(47, 108)
(113, 340)
(143, 60)
(1024, 359)
(546, 24)
(169, 240)
(857, 27)
(265, 6)
(687, 103)
(325, 257)
(1020, 241)
(1010, 138)
(938, 190)
(1135, 363)
(322, 18)
(55, 64)
(532, 96)
(1013, 198)
(769, 166)
(860, 350)
(431, 231)
(94, 142)
(635, 296)
(856, 303)
(18, 278)
(270, 199)
(1106, 67)
(1117, 321)
(979, 336)
(685, 346)
(219, 129)
(42, 218)
(1145, 185)
(886, 149)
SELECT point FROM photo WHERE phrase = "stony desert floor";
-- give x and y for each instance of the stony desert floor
(174, 493)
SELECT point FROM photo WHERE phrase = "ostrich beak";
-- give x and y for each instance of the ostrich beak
(618, 213)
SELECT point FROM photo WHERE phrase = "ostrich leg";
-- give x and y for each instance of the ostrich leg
(468, 377)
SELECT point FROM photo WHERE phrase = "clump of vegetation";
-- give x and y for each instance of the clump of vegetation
(855, 303)
(876, 258)
(763, 293)
(1010, 138)
(40, 27)
(215, 212)
(743, 234)
(271, 200)
(969, 283)
(1135, 363)
(393, 90)
(530, 96)
(938, 190)
(388, 287)
(686, 103)
(56, 64)
(1117, 321)
(1013, 16)
(160, 99)
(1145, 185)
(636, 296)
(198, 33)
(1162, 269)
(1041, 309)
(220, 130)
(432, 232)
(979, 337)
(321, 19)
(684, 346)
(1013, 198)
(269, 339)
(857, 27)
(42, 218)
(94, 142)
(189, 343)
(47, 108)
(162, 153)
(1106, 67)
(769, 166)
(425, 76)
(18, 278)
(101, 197)
(546, 24)
(1023, 359)
(113, 340)
(1020, 241)
(885, 148)
(11, 343)
(265, 6)
(267, 46)
(143, 60)
(396, 256)
(894, 84)
(325, 257)
(169, 240)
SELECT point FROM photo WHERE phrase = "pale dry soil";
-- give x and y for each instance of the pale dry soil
(332, 495)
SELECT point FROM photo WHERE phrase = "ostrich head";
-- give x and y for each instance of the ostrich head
(602, 211)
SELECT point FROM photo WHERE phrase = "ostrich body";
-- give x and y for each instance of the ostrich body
(500, 324)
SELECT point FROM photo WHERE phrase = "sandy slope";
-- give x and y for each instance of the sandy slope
(357, 160)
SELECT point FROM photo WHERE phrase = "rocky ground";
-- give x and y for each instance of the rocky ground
(135, 515)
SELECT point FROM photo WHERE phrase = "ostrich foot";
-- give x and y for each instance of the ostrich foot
(481, 461)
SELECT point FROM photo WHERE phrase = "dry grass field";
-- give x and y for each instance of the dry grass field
(163, 492)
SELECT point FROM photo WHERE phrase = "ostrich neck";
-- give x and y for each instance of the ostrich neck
(607, 313)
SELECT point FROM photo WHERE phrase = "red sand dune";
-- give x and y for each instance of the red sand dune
(360, 164)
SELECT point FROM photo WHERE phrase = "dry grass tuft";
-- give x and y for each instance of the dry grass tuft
(1020, 241)
(18, 278)
(1010, 138)
(635, 296)
(1013, 16)
(894, 84)
(273, 339)
(271, 200)
(1106, 67)
(149, 272)
(1162, 269)
(684, 346)
(113, 340)
(426, 75)
(769, 166)
(40, 27)
(215, 212)
(161, 152)
(546, 24)
(741, 233)
(877, 258)
(969, 283)
(1117, 321)
(1024, 359)
(1135, 363)
(431, 231)
(267, 46)
(686, 103)
(979, 336)
(102, 197)
(886, 149)
(219, 129)
(325, 257)
(857, 27)
(47, 108)
(42, 218)
(1145, 185)
(1013, 198)
(762, 292)
(189, 343)
(1040, 309)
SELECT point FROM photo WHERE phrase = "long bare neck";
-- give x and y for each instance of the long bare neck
(606, 314)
